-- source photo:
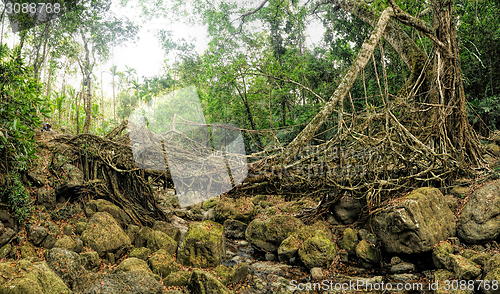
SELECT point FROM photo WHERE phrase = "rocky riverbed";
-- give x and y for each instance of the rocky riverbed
(422, 242)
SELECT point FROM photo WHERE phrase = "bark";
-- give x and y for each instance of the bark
(363, 57)
(86, 68)
(249, 112)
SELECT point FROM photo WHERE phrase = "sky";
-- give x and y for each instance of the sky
(146, 55)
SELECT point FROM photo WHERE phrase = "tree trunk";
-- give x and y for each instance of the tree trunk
(363, 56)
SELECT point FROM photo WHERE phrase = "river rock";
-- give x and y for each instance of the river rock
(441, 255)
(267, 235)
(234, 229)
(202, 282)
(203, 246)
(131, 282)
(241, 209)
(90, 260)
(66, 264)
(66, 242)
(317, 251)
(367, 252)
(36, 234)
(46, 197)
(349, 241)
(141, 253)
(179, 279)
(168, 228)
(157, 240)
(464, 268)
(101, 205)
(416, 223)
(25, 277)
(479, 220)
(134, 264)
(347, 209)
(103, 234)
(162, 263)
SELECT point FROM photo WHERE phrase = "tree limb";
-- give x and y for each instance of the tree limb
(363, 56)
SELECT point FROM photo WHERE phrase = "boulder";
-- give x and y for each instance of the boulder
(90, 260)
(240, 272)
(204, 283)
(289, 248)
(464, 268)
(225, 274)
(72, 177)
(49, 241)
(141, 253)
(241, 209)
(317, 251)
(416, 222)
(367, 252)
(203, 246)
(46, 197)
(103, 234)
(134, 264)
(179, 279)
(66, 264)
(100, 205)
(349, 241)
(441, 255)
(162, 263)
(36, 234)
(5, 251)
(157, 240)
(234, 229)
(26, 277)
(479, 220)
(7, 235)
(347, 209)
(132, 282)
(28, 250)
(267, 235)
(491, 282)
(66, 242)
(168, 228)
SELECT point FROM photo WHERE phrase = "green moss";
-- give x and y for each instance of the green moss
(179, 279)
(349, 241)
(317, 252)
(225, 273)
(367, 252)
(209, 203)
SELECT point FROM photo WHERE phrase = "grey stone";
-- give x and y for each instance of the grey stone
(234, 229)
(36, 234)
(416, 223)
(479, 220)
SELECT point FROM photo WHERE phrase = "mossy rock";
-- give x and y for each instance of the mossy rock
(367, 252)
(241, 209)
(134, 264)
(349, 241)
(267, 235)
(179, 279)
(141, 239)
(464, 268)
(25, 277)
(162, 263)
(441, 255)
(202, 282)
(157, 240)
(169, 229)
(90, 260)
(317, 252)
(492, 276)
(289, 248)
(203, 246)
(240, 272)
(212, 202)
(225, 274)
(104, 234)
(66, 242)
(66, 264)
(257, 199)
(101, 205)
(28, 250)
(80, 227)
(141, 253)
(5, 251)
